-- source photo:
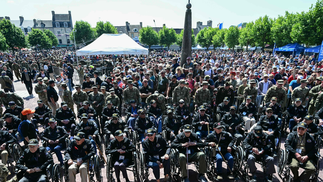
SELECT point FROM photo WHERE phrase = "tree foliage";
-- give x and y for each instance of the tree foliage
(3, 43)
(246, 37)
(39, 39)
(205, 36)
(232, 37)
(106, 27)
(148, 36)
(167, 36)
(281, 29)
(262, 31)
(179, 40)
(51, 36)
(83, 34)
(13, 35)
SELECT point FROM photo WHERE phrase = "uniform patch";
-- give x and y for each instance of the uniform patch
(309, 141)
(158, 145)
(123, 147)
(85, 147)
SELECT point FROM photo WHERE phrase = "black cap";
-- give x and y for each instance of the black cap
(115, 115)
(187, 128)
(302, 125)
(298, 100)
(7, 115)
(169, 111)
(226, 99)
(79, 135)
(258, 131)
(132, 101)
(11, 103)
(85, 103)
(39, 101)
(84, 116)
(109, 102)
(308, 117)
(118, 133)
(51, 120)
(51, 82)
(249, 97)
(218, 125)
(202, 108)
(151, 131)
(33, 142)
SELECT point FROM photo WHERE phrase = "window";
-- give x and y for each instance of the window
(135, 30)
(57, 24)
(25, 30)
(29, 29)
(65, 24)
(58, 32)
(60, 41)
(42, 25)
(132, 35)
(68, 41)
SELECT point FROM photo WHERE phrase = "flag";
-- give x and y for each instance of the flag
(240, 26)
(220, 26)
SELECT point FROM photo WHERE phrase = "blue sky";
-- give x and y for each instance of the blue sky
(169, 12)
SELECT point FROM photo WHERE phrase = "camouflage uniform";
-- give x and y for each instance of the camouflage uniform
(160, 99)
(67, 97)
(314, 92)
(202, 96)
(181, 93)
(25, 65)
(319, 102)
(249, 90)
(39, 89)
(301, 93)
(98, 98)
(80, 72)
(114, 99)
(279, 93)
(34, 65)
(79, 98)
(12, 97)
(130, 94)
(16, 69)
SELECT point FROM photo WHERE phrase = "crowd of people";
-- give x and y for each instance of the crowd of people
(217, 100)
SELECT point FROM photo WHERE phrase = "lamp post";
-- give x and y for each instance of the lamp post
(77, 61)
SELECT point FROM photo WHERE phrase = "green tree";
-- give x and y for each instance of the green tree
(179, 40)
(303, 29)
(51, 36)
(262, 31)
(14, 35)
(204, 37)
(232, 37)
(246, 37)
(148, 36)
(39, 39)
(216, 41)
(167, 36)
(221, 36)
(84, 33)
(281, 29)
(106, 27)
(316, 23)
(3, 43)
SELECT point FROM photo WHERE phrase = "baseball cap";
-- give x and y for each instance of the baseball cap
(232, 108)
(274, 98)
(39, 101)
(202, 108)
(169, 111)
(11, 103)
(298, 100)
(269, 109)
(7, 115)
(249, 97)
(187, 128)
(253, 81)
(308, 117)
(77, 86)
(85, 103)
(84, 116)
(27, 111)
(33, 141)
(218, 125)
(258, 131)
(302, 125)
(51, 120)
(280, 82)
(118, 133)
(150, 131)
(115, 115)
(181, 101)
(109, 102)
(205, 83)
(132, 101)
(226, 99)
(79, 135)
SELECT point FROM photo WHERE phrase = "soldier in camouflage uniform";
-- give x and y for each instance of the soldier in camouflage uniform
(16, 68)
(113, 98)
(41, 90)
(203, 95)
(278, 92)
(79, 97)
(104, 93)
(80, 72)
(7, 97)
(131, 93)
(251, 90)
(172, 85)
(24, 64)
(181, 92)
(34, 65)
(301, 92)
(160, 99)
(96, 99)
(314, 92)
(225, 91)
(319, 102)
(67, 97)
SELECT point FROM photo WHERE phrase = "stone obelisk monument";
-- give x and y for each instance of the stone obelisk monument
(187, 37)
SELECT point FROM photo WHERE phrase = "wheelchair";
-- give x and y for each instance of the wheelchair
(94, 169)
(237, 154)
(284, 171)
(135, 166)
(14, 153)
(53, 173)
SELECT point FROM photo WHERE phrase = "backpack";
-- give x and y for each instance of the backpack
(19, 134)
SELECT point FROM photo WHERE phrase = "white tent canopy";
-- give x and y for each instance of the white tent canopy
(112, 44)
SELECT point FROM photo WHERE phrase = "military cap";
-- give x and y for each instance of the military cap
(77, 86)
(33, 142)
(84, 116)
(258, 131)
(303, 81)
(130, 82)
(40, 79)
(85, 103)
(115, 115)
(64, 84)
(51, 120)
(215, 90)
(302, 125)
(50, 81)
(187, 128)
(244, 79)
(141, 111)
(96, 72)
(174, 76)
(182, 81)
(79, 135)
(269, 109)
(150, 131)
(205, 83)
(265, 75)
(181, 101)
(45, 79)
(249, 97)
(11, 103)
(226, 99)
(280, 82)
(102, 87)
(232, 108)
(206, 77)
(309, 117)
(227, 83)
(118, 133)
(7, 115)
(274, 98)
(218, 125)
(109, 102)
(94, 87)
(202, 108)
(169, 111)
(298, 100)
(253, 81)
(111, 90)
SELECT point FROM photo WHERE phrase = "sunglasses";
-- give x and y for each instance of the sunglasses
(149, 135)
(301, 128)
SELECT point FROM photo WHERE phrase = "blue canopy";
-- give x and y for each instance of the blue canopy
(291, 48)
(313, 49)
